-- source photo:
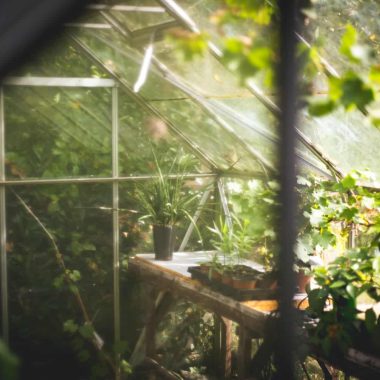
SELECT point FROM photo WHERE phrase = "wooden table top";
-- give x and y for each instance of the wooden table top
(173, 276)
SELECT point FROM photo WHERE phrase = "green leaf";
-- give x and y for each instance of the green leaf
(317, 300)
(86, 330)
(351, 290)
(337, 284)
(70, 326)
(321, 107)
(348, 40)
(370, 320)
(348, 182)
(376, 264)
(351, 91)
(374, 74)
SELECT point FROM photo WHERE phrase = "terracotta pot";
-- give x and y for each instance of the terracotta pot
(215, 274)
(302, 281)
(163, 240)
(227, 278)
(244, 283)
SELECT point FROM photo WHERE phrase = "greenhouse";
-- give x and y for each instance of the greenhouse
(190, 190)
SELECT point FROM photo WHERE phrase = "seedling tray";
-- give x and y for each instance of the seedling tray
(227, 290)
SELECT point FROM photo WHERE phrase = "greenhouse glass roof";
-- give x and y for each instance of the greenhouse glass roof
(230, 127)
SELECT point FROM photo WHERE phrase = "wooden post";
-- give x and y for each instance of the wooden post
(226, 347)
(244, 352)
(159, 306)
(150, 328)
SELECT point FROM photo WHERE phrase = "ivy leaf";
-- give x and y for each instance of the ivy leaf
(349, 213)
(351, 91)
(351, 49)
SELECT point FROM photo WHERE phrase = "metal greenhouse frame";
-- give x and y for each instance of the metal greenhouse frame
(309, 153)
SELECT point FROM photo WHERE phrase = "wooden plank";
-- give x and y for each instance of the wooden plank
(197, 293)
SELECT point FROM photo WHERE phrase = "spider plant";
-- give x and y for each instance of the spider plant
(165, 201)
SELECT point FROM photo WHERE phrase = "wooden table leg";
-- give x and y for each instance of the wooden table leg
(145, 345)
(226, 347)
(223, 346)
(244, 352)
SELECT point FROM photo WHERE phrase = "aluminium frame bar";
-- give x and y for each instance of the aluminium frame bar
(115, 223)
(59, 82)
(78, 180)
(224, 201)
(126, 8)
(87, 25)
(3, 229)
(196, 216)
(141, 101)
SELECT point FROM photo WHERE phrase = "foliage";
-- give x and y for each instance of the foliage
(256, 202)
(341, 283)
(8, 363)
(352, 89)
(232, 240)
(164, 201)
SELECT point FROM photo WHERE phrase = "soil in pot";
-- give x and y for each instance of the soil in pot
(163, 240)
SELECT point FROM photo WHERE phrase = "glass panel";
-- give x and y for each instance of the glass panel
(205, 74)
(114, 52)
(185, 115)
(329, 26)
(52, 132)
(141, 134)
(135, 20)
(219, 144)
(347, 139)
(41, 301)
(59, 59)
(252, 122)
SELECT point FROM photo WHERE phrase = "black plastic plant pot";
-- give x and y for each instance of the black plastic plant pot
(163, 240)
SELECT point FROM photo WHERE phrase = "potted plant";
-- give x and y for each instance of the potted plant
(164, 202)
(232, 244)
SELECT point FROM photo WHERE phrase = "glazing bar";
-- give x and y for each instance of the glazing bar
(115, 222)
(224, 201)
(3, 229)
(59, 82)
(126, 8)
(197, 214)
(52, 181)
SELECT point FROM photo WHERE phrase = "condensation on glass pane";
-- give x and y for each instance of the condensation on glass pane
(57, 132)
